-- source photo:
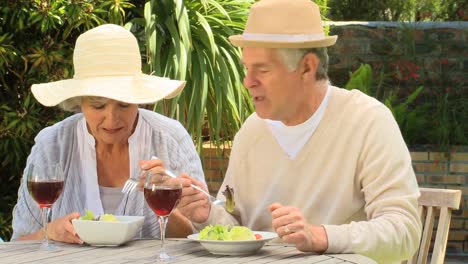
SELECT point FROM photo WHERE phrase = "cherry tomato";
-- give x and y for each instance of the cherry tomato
(258, 236)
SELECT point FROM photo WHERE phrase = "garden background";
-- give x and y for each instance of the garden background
(415, 62)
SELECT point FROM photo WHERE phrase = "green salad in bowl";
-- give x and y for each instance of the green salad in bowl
(107, 229)
(227, 233)
(235, 240)
(89, 215)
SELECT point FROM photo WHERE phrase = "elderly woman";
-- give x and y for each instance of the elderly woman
(110, 141)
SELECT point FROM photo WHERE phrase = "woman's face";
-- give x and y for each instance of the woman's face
(109, 121)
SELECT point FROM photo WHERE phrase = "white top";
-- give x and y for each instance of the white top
(110, 198)
(293, 138)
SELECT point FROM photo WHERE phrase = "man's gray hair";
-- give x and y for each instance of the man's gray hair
(291, 58)
(72, 104)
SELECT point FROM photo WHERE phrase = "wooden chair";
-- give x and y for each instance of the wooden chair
(432, 201)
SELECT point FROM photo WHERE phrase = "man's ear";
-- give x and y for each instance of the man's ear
(309, 66)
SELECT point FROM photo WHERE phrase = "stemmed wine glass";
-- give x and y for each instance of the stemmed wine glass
(45, 184)
(162, 193)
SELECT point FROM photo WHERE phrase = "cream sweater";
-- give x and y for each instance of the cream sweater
(354, 177)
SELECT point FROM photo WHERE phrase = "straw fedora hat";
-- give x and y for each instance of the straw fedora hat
(283, 24)
(107, 63)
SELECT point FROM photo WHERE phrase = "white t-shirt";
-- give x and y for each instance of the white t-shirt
(293, 138)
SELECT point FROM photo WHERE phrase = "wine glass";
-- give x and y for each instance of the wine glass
(162, 193)
(45, 184)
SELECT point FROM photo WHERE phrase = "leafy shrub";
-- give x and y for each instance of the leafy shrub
(436, 116)
(189, 41)
(397, 10)
(36, 43)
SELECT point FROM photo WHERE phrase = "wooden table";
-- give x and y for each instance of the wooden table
(141, 251)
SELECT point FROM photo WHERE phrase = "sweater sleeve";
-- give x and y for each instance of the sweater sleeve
(184, 155)
(391, 193)
(26, 213)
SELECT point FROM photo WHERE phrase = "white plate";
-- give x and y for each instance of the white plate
(239, 247)
(101, 233)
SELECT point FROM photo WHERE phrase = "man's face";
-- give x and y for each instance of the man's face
(277, 92)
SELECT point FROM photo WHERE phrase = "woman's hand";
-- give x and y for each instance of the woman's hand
(62, 229)
(194, 204)
(155, 165)
(290, 225)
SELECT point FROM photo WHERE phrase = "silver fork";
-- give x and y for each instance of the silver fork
(131, 184)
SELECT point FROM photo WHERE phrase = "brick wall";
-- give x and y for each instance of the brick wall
(215, 162)
(432, 168)
(447, 171)
(437, 51)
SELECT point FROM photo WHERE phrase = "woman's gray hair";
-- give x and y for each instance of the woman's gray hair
(291, 58)
(72, 104)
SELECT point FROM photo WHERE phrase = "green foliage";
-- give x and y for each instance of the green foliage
(36, 43)
(441, 10)
(448, 111)
(384, 10)
(436, 116)
(398, 10)
(188, 40)
(410, 117)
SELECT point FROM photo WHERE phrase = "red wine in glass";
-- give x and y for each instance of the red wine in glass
(45, 193)
(45, 184)
(162, 199)
(162, 194)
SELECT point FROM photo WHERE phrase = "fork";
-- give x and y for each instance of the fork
(131, 184)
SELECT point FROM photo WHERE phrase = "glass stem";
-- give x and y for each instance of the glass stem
(45, 240)
(162, 227)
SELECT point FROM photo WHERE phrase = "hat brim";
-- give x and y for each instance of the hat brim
(240, 41)
(143, 89)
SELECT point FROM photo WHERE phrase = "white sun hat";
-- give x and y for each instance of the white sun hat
(283, 24)
(107, 63)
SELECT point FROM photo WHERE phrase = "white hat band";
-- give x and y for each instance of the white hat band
(283, 37)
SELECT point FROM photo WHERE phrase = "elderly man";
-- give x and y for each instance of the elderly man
(325, 168)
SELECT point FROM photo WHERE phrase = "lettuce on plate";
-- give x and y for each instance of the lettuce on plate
(225, 232)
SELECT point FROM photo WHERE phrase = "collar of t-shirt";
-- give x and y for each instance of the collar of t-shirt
(293, 138)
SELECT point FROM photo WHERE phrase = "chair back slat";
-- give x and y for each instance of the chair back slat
(428, 220)
(438, 253)
(434, 202)
(414, 258)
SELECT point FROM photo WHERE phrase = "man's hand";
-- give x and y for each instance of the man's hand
(62, 229)
(194, 204)
(290, 225)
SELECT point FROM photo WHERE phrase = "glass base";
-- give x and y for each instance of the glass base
(163, 257)
(47, 246)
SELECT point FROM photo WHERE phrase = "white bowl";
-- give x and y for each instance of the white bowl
(236, 247)
(102, 233)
